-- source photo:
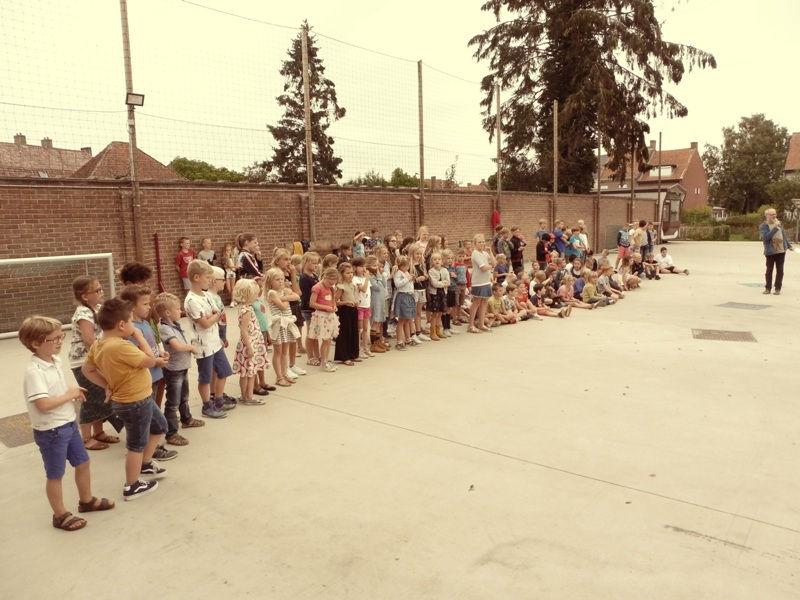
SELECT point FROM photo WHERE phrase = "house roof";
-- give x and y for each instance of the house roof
(678, 159)
(23, 160)
(113, 162)
(793, 156)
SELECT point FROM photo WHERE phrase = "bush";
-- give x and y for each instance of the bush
(700, 215)
(705, 233)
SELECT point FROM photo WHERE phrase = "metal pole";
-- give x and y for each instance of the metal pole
(420, 125)
(137, 206)
(307, 115)
(555, 148)
(660, 215)
(633, 181)
(596, 228)
(498, 134)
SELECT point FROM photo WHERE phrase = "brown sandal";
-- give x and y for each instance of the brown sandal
(97, 445)
(193, 423)
(68, 522)
(93, 506)
(105, 438)
(283, 382)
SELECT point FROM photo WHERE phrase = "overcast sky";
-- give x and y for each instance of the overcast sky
(210, 79)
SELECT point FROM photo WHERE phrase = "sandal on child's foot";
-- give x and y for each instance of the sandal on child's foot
(68, 522)
(251, 401)
(193, 423)
(95, 504)
(283, 382)
(92, 444)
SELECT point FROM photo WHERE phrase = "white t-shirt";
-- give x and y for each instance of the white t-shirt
(404, 282)
(364, 298)
(206, 340)
(480, 277)
(664, 261)
(584, 240)
(43, 380)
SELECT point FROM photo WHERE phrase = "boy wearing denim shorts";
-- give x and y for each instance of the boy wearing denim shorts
(51, 407)
(209, 353)
(124, 371)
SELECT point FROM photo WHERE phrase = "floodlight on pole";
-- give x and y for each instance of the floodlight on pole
(133, 99)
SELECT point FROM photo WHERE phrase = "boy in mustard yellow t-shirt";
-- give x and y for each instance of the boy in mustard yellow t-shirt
(123, 370)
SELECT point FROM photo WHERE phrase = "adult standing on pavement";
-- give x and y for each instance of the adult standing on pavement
(776, 243)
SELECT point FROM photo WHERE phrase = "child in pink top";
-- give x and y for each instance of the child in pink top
(324, 322)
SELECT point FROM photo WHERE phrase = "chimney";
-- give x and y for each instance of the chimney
(87, 150)
(433, 182)
(47, 143)
(19, 140)
(693, 145)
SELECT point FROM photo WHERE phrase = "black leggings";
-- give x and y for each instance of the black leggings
(775, 260)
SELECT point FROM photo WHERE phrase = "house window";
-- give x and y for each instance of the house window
(663, 170)
(604, 187)
(697, 191)
(43, 174)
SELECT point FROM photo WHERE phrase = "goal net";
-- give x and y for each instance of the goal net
(43, 286)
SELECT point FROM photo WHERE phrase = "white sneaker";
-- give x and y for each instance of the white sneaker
(328, 368)
(416, 338)
(424, 337)
(291, 374)
(298, 370)
(447, 333)
(232, 304)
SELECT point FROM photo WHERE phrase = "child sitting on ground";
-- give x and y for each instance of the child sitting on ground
(665, 263)
(589, 294)
(123, 370)
(52, 408)
(650, 267)
(604, 287)
(495, 309)
(176, 371)
(524, 304)
(538, 300)
(567, 294)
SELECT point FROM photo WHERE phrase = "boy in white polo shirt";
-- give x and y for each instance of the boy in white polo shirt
(209, 353)
(51, 406)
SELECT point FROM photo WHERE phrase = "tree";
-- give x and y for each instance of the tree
(782, 192)
(402, 179)
(520, 174)
(288, 162)
(198, 169)
(750, 158)
(606, 63)
(370, 178)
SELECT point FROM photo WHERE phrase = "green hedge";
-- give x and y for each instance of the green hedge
(705, 233)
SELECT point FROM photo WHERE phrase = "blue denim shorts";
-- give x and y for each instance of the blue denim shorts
(217, 362)
(59, 445)
(141, 419)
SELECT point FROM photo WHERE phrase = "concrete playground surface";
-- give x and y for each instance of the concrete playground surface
(609, 455)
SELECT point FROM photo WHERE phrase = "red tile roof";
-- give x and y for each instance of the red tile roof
(23, 160)
(114, 163)
(793, 156)
(678, 159)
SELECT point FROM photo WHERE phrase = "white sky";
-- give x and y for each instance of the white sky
(220, 75)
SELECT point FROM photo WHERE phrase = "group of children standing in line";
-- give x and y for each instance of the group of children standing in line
(130, 355)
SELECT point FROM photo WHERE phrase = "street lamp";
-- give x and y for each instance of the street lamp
(133, 99)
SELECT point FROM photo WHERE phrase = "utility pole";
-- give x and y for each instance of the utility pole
(498, 134)
(133, 151)
(555, 148)
(421, 210)
(312, 224)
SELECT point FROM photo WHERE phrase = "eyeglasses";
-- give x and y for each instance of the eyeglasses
(97, 291)
(58, 338)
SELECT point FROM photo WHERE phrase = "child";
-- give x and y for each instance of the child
(651, 267)
(567, 294)
(450, 317)
(261, 387)
(358, 245)
(138, 296)
(329, 261)
(283, 329)
(420, 286)
(95, 410)
(543, 230)
(524, 304)
(229, 264)
(283, 261)
(495, 309)
(404, 304)
(308, 279)
(542, 309)
(209, 355)
(604, 285)
(207, 253)
(542, 249)
(124, 371)
(575, 247)
(377, 307)
(461, 266)
(247, 267)
(345, 253)
(665, 263)
(182, 259)
(438, 282)
(251, 351)
(629, 280)
(217, 285)
(346, 350)
(324, 322)
(363, 305)
(589, 294)
(176, 371)
(510, 305)
(52, 410)
(501, 268)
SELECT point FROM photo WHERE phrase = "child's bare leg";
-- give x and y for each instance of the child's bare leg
(204, 390)
(83, 481)
(244, 383)
(133, 465)
(324, 351)
(291, 353)
(277, 361)
(473, 311)
(55, 496)
(160, 387)
(153, 442)
(219, 388)
(250, 387)
(482, 309)
(312, 348)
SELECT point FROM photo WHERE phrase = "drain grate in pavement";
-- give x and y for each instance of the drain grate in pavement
(722, 335)
(16, 430)
(744, 306)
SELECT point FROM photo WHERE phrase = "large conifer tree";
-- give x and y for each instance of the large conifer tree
(288, 162)
(606, 63)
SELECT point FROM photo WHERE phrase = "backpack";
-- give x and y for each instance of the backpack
(623, 239)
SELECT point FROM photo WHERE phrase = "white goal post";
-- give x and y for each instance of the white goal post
(108, 257)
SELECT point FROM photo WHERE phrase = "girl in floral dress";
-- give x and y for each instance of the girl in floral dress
(251, 351)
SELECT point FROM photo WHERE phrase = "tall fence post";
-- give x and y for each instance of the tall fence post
(597, 197)
(312, 222)
(421, 211)
(554, 204)
(498, 133)
(633, 182)
(138, 242)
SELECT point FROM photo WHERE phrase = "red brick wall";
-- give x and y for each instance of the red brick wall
(696, 183)
(57, 217)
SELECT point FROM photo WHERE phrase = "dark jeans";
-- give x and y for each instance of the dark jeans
(142, 419)
(177, 399)
(776, 261)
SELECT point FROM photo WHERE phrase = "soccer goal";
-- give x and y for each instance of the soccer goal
(43, 285)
